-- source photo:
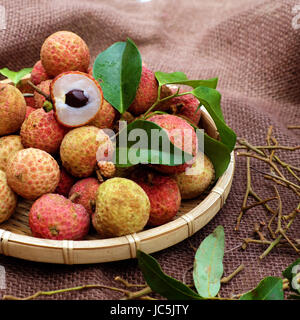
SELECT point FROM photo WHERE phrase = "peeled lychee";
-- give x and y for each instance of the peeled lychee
(9, 145)
(8, 199)
(38, 73)
(181, 134)
(64, 51)
(41, 130)
(146, 93)
(163, 193)
(53, 216)
(122, 207)
(79, 148)
(32, 172)
(105, 117)
(65, 183)
(84, 192)
(12, 109)
(38, 98)
(197, 178)
(77, 98)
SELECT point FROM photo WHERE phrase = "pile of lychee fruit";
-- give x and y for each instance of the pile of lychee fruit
(50, 157)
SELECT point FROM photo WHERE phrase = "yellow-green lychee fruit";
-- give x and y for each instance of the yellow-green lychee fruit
(9, 145)
(122, 207)
(196, 179)
(79, 148)
(8, 199)
(12, 109)
(64, 51)
(32, 172)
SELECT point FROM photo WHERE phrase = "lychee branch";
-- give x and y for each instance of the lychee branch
(38, 90)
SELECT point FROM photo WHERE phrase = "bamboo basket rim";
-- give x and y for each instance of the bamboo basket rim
(72, 251)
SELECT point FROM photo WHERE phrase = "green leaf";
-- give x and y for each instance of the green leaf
(290, 273)
(211, 98)
(180, 78)
(208, 265)
(161, 283)
(270, 288)
(119, 68)
(15, 76)
(218, 153)
(137, 145)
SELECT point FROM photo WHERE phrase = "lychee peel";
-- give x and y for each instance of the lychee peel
(163, 193)
(38, 73)
(146, 93)
(38, 98)
(105, 117)
(65, 183)
(197, 178)
(85, 191)
(9, 145)
(41, 130)
(53, 216)
(122, 207)
(12, 109)
(64, 51)
(8, 199)
(32, 172)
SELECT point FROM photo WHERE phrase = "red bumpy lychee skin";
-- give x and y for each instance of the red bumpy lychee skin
(146, 93)
(105, 118)
(64, 51)
(65, 183)
(38, 73)
(84, 192)
(29, 110)
(38, 98)
(163, 193)
(53, 216)
(41, 130)
(181, 134)
(9, 145)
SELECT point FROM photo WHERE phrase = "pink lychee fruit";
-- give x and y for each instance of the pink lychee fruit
(32, 172)
(12, 109)
(53, 216)
(197, 178)
(163, 193)
(64, 51)
(29, 110)
(38, 73)
(105, 118)
(77, 98)
(84, 192)
(8, 199)
(38, 98)
(41, 130)
(146, 93)
(65, 183)
(79, 148)
(182, 135)
(9, 145)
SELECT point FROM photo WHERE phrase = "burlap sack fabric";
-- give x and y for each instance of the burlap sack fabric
(253, 49)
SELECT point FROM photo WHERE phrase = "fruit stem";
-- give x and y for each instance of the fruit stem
(38, 90)
(74, 196)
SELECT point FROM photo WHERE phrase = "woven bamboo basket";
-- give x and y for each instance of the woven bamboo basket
(16, 239)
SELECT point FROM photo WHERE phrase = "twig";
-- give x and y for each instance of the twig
(129, 285)
(279, 210)
(38, 90)
(259, 203)
(293, 127)
(279, 147)
(233, 274)
(137, 294)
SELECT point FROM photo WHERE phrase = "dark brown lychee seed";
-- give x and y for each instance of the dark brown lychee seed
(76, 98)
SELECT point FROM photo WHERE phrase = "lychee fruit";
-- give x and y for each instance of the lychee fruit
(76, 97)
(41, 130)
(64, 51)
(8, 199)
(79, 148)
(38, 98)
(146, 93)
(28, 111)
(38, 73)
(32, 172)
(53, 216)
(84, 192)
(163, 193)
(197, 178)
(122, 207)
(107, 169)
(105, 117)
(9, 145)
(181, 134)
(12, 109)
(65, 183)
